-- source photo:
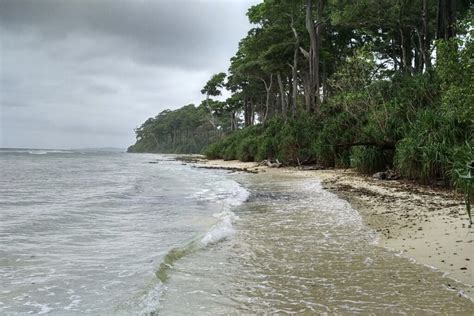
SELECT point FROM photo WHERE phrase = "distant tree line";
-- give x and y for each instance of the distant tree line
(369, 84)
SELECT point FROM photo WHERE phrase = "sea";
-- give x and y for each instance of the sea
(86, 232)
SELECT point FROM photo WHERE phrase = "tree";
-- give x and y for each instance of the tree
(213, 88)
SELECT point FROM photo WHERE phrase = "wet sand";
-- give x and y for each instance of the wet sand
(428, 225)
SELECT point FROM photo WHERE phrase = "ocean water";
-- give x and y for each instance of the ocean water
(90, 232)
(115, 233)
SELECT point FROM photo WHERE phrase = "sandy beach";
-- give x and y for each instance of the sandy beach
(427, 225)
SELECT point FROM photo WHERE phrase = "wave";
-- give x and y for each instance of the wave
(220, 231)
(226, 195)
(34, 151)
(45, 152)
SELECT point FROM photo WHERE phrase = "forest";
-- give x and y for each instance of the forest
(366, 84)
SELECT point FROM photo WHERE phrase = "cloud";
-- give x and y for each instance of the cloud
(72, 69)
(180, 33)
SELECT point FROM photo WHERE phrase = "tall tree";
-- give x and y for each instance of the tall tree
(213, 88)
(312, 79)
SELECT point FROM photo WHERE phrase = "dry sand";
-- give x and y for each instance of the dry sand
(425, 224)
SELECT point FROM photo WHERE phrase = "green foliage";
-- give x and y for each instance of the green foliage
(370, 159)
(213, 86)
(247, 149)
(386, 103)
(185, 130)
(455, 72)
(270, 140)
(241, 145)
(460, 157)
(290, 142)
(440, 139)
(430, 150)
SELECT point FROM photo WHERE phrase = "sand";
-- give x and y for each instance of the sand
(428, 225)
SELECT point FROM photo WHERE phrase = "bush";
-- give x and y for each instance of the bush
(370, 159)
(247, 149)
(213, 151)
(269, 142)
(328, 147)
(460, 156)
(425, 153)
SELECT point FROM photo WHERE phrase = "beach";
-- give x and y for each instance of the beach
(427, 225)
(171, 235)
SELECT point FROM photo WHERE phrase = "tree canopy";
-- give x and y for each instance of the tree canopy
(368, 84)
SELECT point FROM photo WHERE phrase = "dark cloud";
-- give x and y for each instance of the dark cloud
(73, 68)
(179, 32)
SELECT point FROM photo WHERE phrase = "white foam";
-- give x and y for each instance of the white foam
(74, 304)
(228, 194)
(238, 196)
(38, 152)
(44, 152)
(223, 229)
(368, 261)
(44, 308)
(151, 301)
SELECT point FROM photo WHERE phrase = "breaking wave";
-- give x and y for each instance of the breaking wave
(227, 195)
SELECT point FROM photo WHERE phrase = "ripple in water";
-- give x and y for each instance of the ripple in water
(300, 249)
(87, 232)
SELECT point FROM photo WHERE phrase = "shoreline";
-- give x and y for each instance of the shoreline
(425, 224)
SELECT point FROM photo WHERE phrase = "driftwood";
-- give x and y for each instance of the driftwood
(313, 167)
(191, 158)
(226, 168)
(386, 175)
(270, 164)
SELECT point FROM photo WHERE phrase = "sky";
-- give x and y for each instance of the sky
(85, 73)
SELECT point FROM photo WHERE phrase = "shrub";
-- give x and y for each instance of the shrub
(247, 149)
(424, 153)
(370, 159)
(461, 155)
(329, 147)
(213, 151)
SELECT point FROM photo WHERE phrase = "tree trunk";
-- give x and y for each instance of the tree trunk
(284, 102)
(307, 92)
(247, 112)
(295, 85)
(268, 88)
(314, 30)
(231, 113)
(406, 49)
(418, 58)
(324, 85)
(156, 141)
(294, 71)
(446, 19)
(405, 41)
(425, 48)
(173, 136)
(211, 115)
(317, 57)
(252, 111)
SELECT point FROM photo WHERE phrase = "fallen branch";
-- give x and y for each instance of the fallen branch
(226, 168)
(270, 164)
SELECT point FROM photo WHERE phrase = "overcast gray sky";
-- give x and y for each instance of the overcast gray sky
(84, 73)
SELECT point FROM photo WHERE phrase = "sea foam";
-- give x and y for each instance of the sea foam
(223, 229)
(228, 197)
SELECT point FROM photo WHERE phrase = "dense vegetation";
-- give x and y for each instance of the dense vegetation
(369, 84)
